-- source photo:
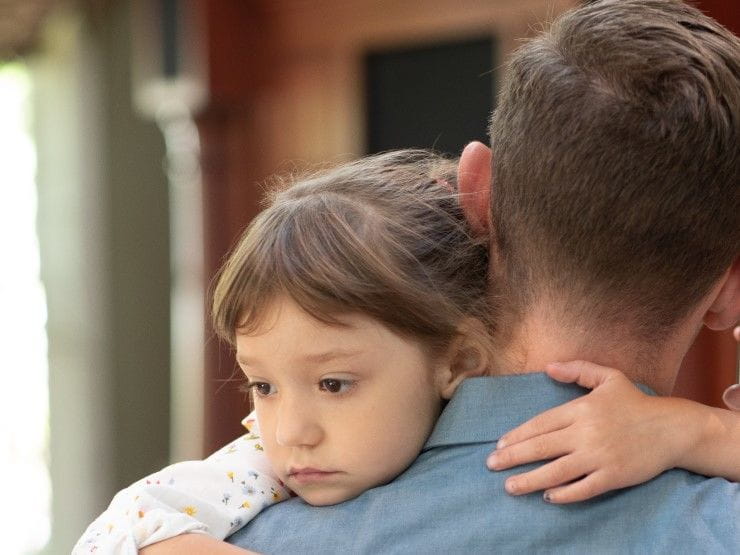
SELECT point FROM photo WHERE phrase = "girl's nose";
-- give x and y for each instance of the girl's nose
(297, 424)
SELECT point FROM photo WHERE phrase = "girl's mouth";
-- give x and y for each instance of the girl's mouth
(310, 475)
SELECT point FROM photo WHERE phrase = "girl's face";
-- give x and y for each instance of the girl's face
(341, 409)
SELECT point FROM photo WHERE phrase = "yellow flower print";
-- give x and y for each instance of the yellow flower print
(246, 505)
(110, 528)
(141, 514)
(230, 475)
(258, 447)
(275, 495)
(190, 510)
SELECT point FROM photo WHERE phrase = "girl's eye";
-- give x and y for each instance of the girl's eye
(334, 385)
(262, 389)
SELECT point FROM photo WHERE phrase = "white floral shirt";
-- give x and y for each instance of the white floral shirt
(215, 496)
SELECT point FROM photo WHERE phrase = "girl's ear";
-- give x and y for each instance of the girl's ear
(467, 356)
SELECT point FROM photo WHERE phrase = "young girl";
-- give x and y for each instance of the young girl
(356, 302)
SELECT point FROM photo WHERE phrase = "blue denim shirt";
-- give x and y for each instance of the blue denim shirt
(447, 501)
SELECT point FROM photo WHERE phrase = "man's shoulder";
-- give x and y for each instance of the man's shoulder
(448, 501)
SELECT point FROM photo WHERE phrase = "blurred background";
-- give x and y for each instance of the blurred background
(136, 138)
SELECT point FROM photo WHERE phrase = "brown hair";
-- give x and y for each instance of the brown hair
(384, 236)
(616, 164)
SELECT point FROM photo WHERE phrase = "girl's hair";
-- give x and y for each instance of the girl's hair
(384, 236)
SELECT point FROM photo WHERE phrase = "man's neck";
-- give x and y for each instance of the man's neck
(538, 340)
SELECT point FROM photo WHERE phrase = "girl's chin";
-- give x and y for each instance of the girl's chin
(324, 496)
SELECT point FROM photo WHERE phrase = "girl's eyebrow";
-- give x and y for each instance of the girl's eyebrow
(331, 355)
(314, 358)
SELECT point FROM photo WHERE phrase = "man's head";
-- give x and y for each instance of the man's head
(616, 166)
(615, 207)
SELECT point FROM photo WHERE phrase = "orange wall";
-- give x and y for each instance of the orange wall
(727, 12)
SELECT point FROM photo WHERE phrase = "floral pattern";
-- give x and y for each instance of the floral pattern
(216, 496)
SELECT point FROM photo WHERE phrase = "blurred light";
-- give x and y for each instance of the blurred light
(24, 397)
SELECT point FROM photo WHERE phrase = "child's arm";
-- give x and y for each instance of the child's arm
(614, 437)
(215, 496)
(194, 544)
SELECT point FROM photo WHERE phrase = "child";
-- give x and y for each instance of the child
(357, 303)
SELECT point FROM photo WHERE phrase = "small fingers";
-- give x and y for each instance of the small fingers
(539, 448)
(556, 473)
(584, 373)
(580, 490)
(546, 422)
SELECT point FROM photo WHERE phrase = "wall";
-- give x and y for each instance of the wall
(103, 227)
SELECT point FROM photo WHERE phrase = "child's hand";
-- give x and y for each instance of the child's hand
(614, 437)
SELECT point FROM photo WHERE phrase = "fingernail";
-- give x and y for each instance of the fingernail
(510, 486)
(547, 497)
(501, 443)
(731, 397)
(492, 461)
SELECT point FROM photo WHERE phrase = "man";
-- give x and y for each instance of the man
(615, 234)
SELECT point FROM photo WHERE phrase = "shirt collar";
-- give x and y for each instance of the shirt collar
(484, 409)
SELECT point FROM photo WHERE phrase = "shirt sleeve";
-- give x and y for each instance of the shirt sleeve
(215, 496)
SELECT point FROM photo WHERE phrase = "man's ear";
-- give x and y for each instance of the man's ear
(724, 312)
(474, 185)
(467, 356)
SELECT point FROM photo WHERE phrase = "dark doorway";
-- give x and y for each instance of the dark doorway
(438, 96)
